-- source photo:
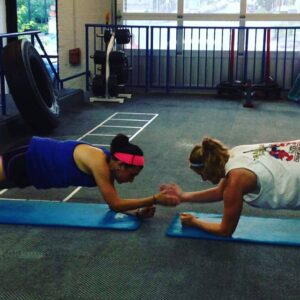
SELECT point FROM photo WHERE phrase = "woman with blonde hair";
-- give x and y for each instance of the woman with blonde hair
(262, 175)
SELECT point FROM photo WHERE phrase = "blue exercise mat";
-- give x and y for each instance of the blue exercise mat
(52, 213)
(276, 231)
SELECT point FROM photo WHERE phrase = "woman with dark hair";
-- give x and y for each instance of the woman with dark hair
(48, 163)
(264, 176)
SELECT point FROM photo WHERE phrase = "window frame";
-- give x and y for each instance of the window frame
(180, 16)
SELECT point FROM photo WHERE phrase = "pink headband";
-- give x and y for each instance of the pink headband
(130, 159)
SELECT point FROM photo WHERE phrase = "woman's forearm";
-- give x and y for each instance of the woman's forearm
(129, 204)
(2, 177)
(210, 195)
(214, 228)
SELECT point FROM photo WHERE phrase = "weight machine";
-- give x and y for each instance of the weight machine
(115, 70)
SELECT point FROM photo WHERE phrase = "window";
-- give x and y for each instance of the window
(198, 10)
(150, 6)
(214, 13)
(211, 6)
(39, 15)
(273, 6)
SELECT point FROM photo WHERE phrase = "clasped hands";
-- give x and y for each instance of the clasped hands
(175, 193)
(169, 195)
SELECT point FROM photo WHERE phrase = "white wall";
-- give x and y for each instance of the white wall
(72, 16)
(3, 24)
(2, 17)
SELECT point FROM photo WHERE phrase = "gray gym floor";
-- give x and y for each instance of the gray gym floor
(71, 263)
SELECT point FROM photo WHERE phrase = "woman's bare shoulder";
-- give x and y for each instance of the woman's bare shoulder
(242, 179)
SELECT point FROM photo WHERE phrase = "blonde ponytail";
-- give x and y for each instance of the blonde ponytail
(212, 156)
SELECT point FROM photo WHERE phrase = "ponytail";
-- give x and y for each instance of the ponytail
(211, 156)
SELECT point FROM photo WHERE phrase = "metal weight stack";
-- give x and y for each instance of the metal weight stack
(114, 68)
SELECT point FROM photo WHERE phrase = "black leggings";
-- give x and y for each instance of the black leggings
(14, 167)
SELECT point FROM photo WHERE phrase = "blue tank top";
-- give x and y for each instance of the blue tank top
(50, 164)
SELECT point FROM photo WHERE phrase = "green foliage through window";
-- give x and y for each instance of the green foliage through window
(34, 14)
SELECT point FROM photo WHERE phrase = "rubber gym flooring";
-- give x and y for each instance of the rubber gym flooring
(72, 263)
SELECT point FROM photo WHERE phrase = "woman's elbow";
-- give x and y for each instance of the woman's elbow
(226, 232)
(116, 208)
